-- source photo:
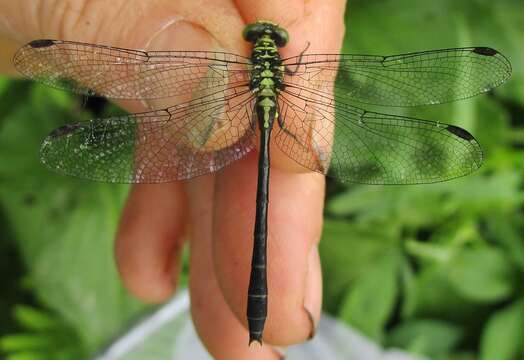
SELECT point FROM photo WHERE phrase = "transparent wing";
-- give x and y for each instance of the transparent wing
(129, 74)
(180, 142)
(422, 78)
(368, 147)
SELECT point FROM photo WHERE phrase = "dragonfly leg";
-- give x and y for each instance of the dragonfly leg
(321, 167)
(254, 118)
(282, 125)
(293, 72)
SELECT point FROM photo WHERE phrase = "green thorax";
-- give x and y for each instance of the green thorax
(266, 79)
(268, 71)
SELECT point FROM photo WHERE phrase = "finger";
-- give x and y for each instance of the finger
(124, 23)
(128, 24)
(7, 51)
(221, 332)
(281, 12)
(295, 221)
(149, 240)
(318, 22)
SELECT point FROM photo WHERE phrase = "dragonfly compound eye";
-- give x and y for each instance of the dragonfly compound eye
(281, 37)
(253, 32)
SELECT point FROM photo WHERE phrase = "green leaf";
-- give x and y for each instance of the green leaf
(429, 251)
(482, 274)
(35, 319)
(459, 356)
(507, 231)
(372, 297)
(16, 342)
(346, 252)
(428, 337)
(409, 291)
(13, 95)
(434, 296)
(28, 355)
(420, 205)
(492, 125)
(47, 336)
(4, 84)
(503, 335)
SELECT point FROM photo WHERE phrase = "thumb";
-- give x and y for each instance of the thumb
(157, 25)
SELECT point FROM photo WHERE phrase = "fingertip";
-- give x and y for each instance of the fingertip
(282, 13)
(149, 240)
(142, 273)
(313, 293)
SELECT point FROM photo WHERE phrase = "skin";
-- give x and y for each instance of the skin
(215, 213)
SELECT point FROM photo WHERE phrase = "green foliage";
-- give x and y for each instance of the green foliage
(435, 269)
(63, 227)
(44, 337)
(372, 297)
(481, 275)
(394, 26)
(504, 332)
(434, 338)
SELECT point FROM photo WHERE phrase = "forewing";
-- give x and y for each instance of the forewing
(422, 78)
(129, 74)
(371, 148)
(180, 142)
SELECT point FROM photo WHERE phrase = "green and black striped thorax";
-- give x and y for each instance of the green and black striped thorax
(268, 72)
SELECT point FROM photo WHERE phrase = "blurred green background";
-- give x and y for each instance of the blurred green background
(434, 269)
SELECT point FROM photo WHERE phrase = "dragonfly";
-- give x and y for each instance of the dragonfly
(224, 106)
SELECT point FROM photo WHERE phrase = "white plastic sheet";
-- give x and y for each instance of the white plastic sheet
(169, 334)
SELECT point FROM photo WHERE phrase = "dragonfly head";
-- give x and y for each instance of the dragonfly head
(254, 32)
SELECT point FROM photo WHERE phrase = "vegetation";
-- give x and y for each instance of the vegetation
(434, 269)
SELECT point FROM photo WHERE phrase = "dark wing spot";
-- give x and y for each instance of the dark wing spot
(64, 130)
(460, 132)
(485, 51)
(41, 43)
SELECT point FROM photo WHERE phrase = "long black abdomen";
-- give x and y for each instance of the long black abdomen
(257, 294)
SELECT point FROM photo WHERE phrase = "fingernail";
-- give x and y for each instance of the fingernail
(182, 35)
(312, 325)
(312, 288)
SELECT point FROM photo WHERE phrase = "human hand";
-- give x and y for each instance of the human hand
(218, 209)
